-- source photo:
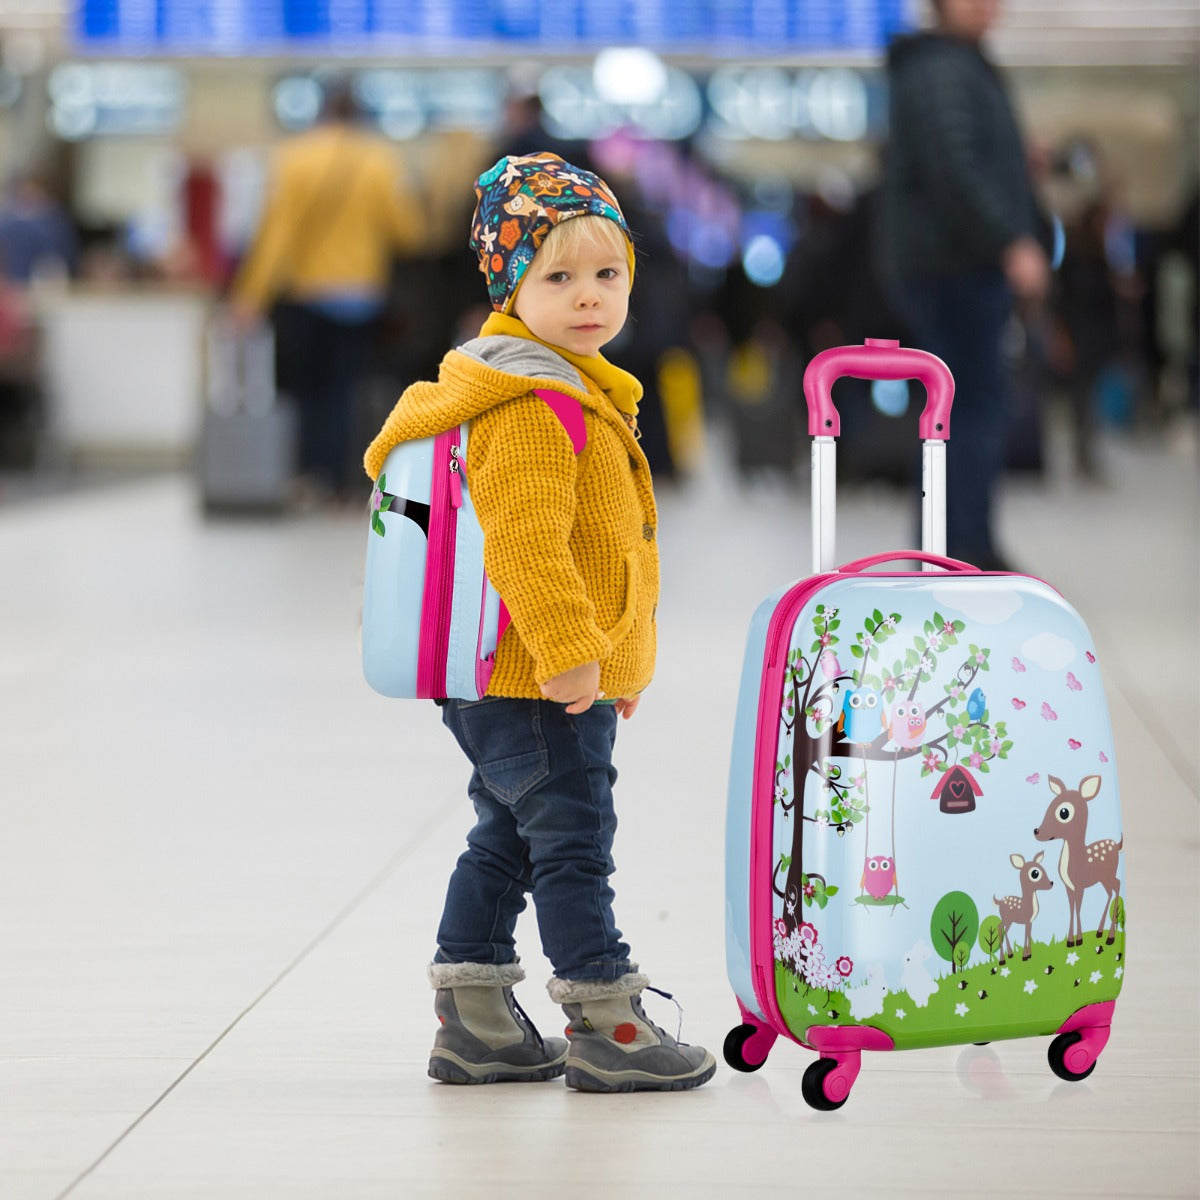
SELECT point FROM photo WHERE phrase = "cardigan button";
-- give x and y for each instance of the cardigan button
(648, 532)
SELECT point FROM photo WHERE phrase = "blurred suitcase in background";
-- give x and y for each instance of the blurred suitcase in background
(249, 437)
(924, 839)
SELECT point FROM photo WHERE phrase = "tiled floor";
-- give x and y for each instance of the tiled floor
(222, 859)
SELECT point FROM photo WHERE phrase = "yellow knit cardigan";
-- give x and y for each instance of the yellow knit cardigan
(569, 543)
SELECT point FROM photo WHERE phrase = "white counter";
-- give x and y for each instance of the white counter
(124, 370)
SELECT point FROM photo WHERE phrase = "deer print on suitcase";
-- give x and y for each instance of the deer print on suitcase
(1082, 864)
(1022, 909)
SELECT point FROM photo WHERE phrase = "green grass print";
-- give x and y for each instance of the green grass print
(1021, 999)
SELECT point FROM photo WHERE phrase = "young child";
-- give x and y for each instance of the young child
(569, 543)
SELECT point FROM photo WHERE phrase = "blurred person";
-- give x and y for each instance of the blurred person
(570, 544)
(961, 239)
(1085, 332)
(523, 131)
(337, 213)
(37, 237)
(20, 392)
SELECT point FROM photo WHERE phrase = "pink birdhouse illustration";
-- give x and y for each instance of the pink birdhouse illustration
(956, 790)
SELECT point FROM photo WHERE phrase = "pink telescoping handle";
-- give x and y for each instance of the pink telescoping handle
(877, 358)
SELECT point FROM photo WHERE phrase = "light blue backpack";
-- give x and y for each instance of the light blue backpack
(431, 619)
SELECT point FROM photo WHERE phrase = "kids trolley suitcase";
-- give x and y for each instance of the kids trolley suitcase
(924, 843)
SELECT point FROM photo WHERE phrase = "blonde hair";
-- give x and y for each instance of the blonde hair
(567, 237)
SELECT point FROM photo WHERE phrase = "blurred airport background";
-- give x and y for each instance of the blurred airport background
(223, 856)
(744, 138)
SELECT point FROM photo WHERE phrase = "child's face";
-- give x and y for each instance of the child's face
(579, 300)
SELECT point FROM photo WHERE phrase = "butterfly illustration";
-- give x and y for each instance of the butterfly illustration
(1090, 656)
(1103, 757)
(1018, 665)
(1034, 778)
(1018, 704)
(1047, 712)
(1073, 683)
(1073, 743)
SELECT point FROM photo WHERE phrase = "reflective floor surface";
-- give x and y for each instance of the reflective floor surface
(222, 859)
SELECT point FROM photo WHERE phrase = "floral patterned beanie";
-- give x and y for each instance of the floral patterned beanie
(519, 201)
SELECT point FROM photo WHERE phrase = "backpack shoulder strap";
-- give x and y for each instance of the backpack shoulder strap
(570, 414)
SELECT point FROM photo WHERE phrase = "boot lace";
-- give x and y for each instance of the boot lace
(525, 1018)
(678, 1006)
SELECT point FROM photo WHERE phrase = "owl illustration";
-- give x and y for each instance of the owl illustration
(976, 705)
(879, 876)
(906, 724)
(861, 720)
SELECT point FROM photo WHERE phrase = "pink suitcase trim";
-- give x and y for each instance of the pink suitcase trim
(762, 818)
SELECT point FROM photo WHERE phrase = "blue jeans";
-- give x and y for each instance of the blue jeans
(542, 790)
(962, 319)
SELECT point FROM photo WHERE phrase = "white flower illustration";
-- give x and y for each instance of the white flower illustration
(1072, 958)
(1095, 977)
(1030, 987)
(961, 1010)
(900, 1014)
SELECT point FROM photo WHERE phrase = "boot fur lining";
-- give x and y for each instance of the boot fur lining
(451, 975)
(573, 991)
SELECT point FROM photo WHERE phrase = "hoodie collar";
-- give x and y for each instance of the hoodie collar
(618, 385)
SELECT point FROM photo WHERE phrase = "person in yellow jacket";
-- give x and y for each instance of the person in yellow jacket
(570, 544)
(336, 216)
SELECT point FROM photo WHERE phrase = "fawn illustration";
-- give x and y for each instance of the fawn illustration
(1022, 909)
(1081, 864)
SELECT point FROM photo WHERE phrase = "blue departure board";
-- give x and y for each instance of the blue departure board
(762, 27)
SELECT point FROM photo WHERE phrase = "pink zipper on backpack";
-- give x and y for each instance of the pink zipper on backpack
(437, 603)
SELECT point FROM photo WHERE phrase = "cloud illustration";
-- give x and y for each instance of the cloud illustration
(1049, 651)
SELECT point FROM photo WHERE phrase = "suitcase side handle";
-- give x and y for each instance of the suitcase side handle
(934, 560)
(878, 358)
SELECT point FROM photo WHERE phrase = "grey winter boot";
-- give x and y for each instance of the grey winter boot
(615, 1047)
(485, 1036)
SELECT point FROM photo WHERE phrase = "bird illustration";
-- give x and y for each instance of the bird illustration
(879, 876)
(976, 705)
(861, 720)
(830, 667)
(905, 723)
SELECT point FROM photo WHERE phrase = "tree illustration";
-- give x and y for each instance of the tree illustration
(1118, 912)
(811, 704)
(955, 923)
(991, 936)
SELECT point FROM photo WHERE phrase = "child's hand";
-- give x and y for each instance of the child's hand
(627, 706)
(578, 688)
